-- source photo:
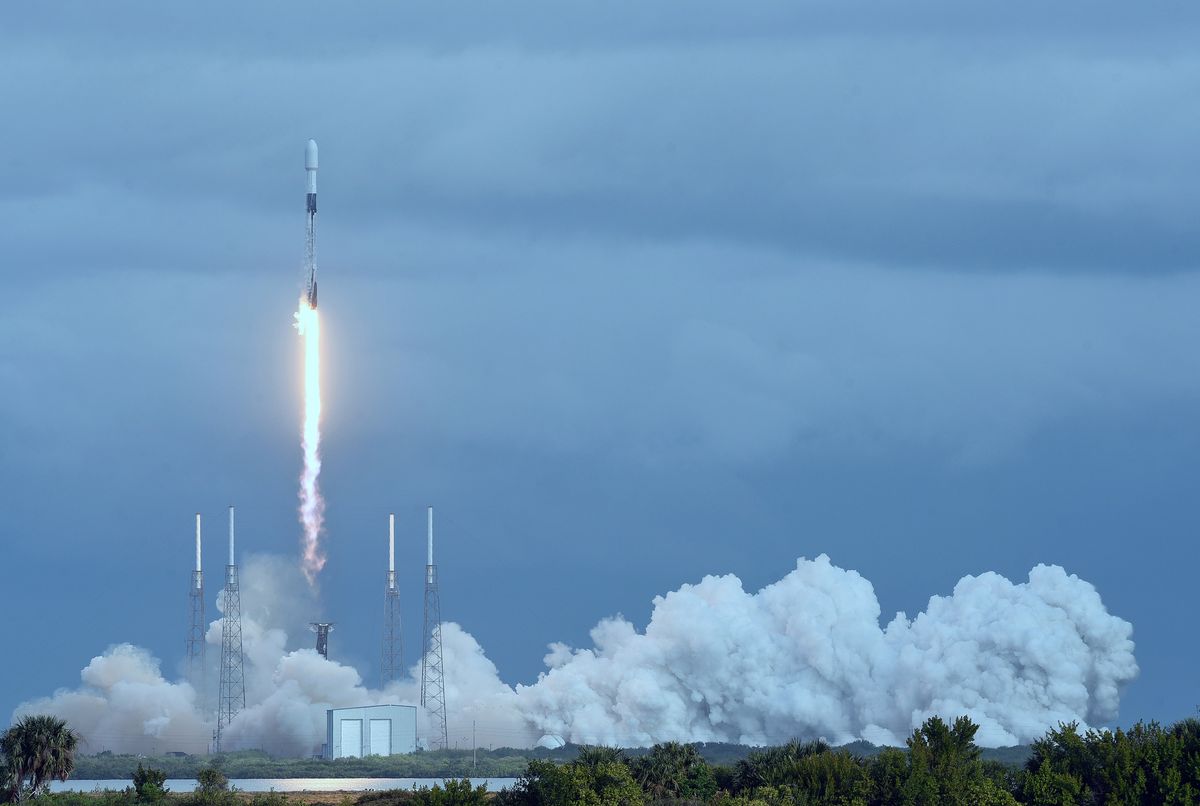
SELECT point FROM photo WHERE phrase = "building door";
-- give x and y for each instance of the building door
(352, 738)
(381, 737)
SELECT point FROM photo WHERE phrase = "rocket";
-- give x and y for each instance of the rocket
(310, 169)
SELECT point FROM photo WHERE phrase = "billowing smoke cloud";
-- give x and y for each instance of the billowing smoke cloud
(804, 657)
(126, 705)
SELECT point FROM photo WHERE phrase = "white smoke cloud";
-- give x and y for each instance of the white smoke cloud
(804, 657)
(125, 705)
(476, 694)
(287, 692)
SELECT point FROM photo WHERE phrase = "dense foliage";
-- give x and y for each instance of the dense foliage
(502, 763)
(129, 797)
(498, 763)
(1148, 765)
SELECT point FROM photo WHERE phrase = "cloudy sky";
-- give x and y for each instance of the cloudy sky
(631, 292)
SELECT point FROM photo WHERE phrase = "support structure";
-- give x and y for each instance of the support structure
(392, 661)
(322, 629)
(195, 641)
(231, 698)
(433, 683)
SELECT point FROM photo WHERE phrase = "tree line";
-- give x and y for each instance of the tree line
(1149, 764)
(500, 763)
(503, 762)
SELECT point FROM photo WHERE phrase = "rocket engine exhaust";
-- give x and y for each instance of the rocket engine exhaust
(308, 325)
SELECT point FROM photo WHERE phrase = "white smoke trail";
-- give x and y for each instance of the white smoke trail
(312, 505)
(803, 657)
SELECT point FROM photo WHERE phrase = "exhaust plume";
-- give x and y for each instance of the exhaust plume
(312, 505)
(804, 657)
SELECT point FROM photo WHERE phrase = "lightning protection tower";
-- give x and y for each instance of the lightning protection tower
(195, 639)
(232, 696)
(433, 683)
(392, 661)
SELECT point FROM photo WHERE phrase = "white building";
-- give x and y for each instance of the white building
(373, 730)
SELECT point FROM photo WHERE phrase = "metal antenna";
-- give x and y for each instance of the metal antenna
(433, 684)
(232, 696)
(392, 662)
(195, 640)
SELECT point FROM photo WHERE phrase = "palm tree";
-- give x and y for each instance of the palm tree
(773, 766)
(674, 771)
(36, 750)
(592, 756)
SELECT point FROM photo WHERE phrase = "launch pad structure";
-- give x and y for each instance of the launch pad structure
(196, 652)
(231, 695)
(391, 663)
(433, 683)
(231, 698)
(322, 629)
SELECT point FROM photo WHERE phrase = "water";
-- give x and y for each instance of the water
(284, 784)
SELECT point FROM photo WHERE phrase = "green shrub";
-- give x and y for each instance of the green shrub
(107, 797)
(545, 783)
(150, 784)
(211, 779)
(269, 799)
(452, 792)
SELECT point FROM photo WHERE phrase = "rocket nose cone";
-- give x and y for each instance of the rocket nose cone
(310, 156)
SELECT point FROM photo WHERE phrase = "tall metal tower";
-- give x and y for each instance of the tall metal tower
(195, 640)
(322, 629)
(232, 696)
(392, 662)
(433, 683)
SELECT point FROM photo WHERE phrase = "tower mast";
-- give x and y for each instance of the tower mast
(195, 640)
(231, 698)
(433, 684)
(392, 661)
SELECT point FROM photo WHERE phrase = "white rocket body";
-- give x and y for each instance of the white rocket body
(310, 165)
(310, 170)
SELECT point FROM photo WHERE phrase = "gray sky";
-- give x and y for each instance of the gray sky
(632, 294)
